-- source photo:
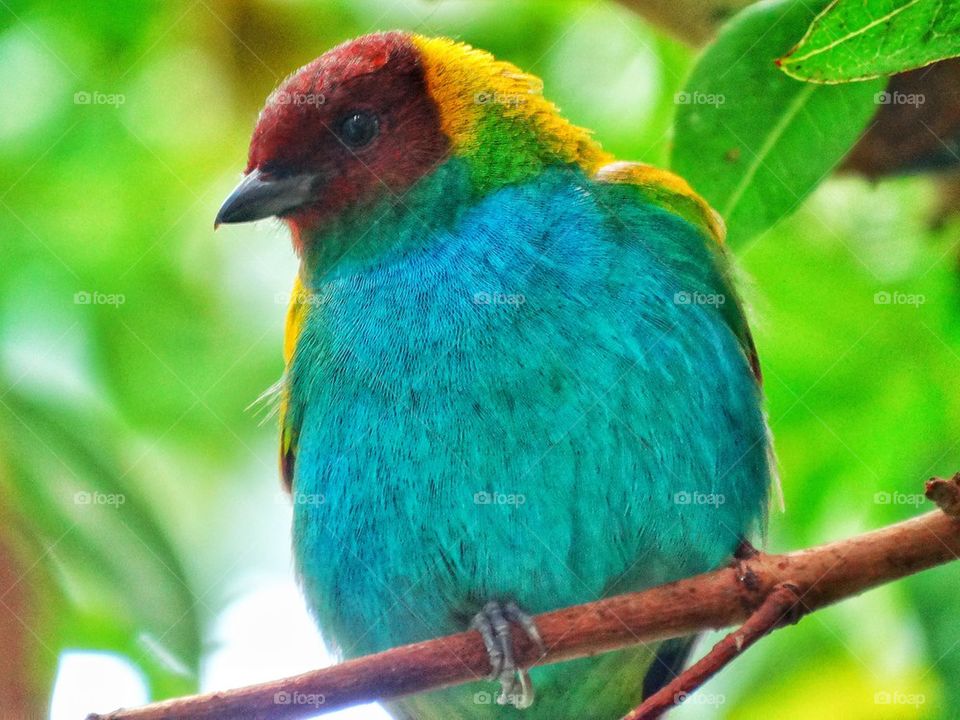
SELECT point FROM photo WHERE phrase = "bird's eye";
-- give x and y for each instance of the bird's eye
(359, 128)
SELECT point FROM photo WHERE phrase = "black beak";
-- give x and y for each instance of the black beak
(258, 197)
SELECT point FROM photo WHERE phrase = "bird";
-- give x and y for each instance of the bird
(517, 372)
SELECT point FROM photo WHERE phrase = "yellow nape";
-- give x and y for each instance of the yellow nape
(465, 82)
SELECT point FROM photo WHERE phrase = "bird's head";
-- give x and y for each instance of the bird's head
(365, 121)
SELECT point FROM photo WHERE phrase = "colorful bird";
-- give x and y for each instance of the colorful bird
(517, 375)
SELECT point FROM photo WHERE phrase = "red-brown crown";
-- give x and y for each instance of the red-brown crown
(370, 90)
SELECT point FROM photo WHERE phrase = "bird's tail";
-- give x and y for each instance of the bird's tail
(670, 660)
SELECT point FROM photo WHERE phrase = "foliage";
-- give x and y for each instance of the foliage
(855, 41)
(111, 563)
(752, 140)
(132, 339)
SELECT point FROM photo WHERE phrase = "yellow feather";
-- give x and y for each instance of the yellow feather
(462, 80)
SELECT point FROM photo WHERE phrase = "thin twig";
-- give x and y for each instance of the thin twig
(945, 493)
(781, 606)
(822, 576)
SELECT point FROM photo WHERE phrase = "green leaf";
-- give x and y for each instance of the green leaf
(123, 586)
(753, 141)
(860, 40)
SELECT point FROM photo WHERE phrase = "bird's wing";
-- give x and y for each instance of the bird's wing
(672, 193)
(289, 428)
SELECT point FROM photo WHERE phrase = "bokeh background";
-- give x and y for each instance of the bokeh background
(143, 534)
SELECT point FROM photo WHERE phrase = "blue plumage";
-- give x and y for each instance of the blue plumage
(541, 395)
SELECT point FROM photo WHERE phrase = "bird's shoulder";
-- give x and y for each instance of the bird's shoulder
(650, 185)
(664, 189)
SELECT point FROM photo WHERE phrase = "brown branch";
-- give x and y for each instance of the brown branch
(821, 575)
(945, 493)
(781, 606)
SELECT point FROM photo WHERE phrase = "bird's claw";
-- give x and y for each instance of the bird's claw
(493, 624)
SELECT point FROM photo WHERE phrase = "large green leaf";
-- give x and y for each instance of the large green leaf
(114, 572)
(753, 141)
(853, 40)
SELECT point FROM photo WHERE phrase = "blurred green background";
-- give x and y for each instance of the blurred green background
(143, 535)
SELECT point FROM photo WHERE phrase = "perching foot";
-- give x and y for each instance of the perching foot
(493, 624)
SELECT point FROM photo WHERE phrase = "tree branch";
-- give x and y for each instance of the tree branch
(781, 606)
(821, 576)
(945, 493)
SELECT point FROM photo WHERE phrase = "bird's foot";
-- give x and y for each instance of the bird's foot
(745, 550)
(745, 575)
(493, 624)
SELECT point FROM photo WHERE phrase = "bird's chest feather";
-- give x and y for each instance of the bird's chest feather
(491, 416)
